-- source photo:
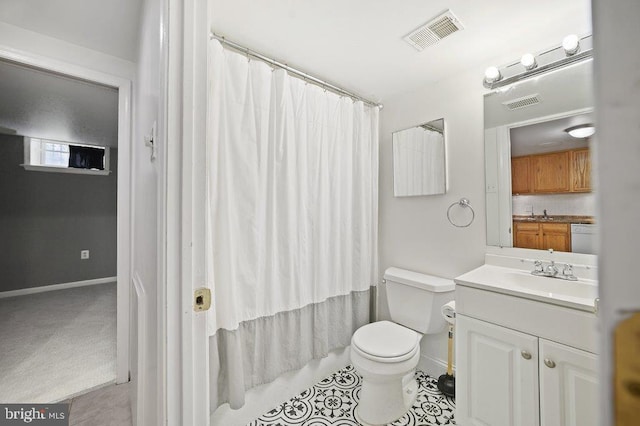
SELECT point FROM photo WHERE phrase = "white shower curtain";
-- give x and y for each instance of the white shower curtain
(292, 196)
(418, 163)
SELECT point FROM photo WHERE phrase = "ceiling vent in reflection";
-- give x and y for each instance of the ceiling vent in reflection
(525, 101)
(433, 31)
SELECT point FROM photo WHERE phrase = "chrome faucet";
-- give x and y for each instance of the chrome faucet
(552, 271)
(538, 269)
(567, 273)
(546, 216)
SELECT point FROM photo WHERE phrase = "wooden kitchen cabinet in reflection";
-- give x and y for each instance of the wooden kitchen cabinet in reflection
(542, 235)
(551, 173)
(580, 169)
(520, 175)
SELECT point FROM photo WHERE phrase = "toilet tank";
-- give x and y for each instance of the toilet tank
(415, 299)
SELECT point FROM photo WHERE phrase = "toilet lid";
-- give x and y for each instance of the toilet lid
(385, 339)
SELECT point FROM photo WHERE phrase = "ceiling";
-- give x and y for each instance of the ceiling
(557, 92)
(355, 44)
(108, 26)
(565, 98)
(548, 136)
(358, 44)
(45, 105)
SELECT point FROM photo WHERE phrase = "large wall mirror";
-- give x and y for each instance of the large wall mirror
(538, 135)
(419, 160)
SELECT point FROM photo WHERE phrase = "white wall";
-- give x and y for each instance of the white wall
(148, 89)
(556, 204)
(617, 155)
(414, 231)
(35, 43)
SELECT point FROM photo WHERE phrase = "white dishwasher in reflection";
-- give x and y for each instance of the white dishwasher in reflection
(583, 238)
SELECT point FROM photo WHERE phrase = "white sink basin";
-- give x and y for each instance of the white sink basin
(579, 294)
(553, 287)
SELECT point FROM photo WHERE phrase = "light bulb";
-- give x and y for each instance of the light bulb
(491, 75)
(571, 44)
(528, 61)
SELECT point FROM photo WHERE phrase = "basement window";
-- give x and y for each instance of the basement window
(45, 155)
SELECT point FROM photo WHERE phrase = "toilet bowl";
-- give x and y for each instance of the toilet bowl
(386, 353)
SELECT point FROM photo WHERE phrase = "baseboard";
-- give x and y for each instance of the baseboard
(138, 391)
(434, 367)
(53, 287)
(85, 391)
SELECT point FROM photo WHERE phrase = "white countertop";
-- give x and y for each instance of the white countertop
(579, 294)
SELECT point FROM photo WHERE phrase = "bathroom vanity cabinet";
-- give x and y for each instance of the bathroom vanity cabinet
(521, 361)
(511, 378)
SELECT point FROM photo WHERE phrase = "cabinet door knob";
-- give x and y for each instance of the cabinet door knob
(549, 363)
(633, 388)
(526, 354)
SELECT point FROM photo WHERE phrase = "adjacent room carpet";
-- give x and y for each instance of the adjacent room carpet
(333, 400)
(57, 344)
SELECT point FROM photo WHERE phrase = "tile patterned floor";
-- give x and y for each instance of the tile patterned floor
(333, 400)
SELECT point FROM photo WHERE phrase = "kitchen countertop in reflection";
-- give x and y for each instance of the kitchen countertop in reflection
(555, 219)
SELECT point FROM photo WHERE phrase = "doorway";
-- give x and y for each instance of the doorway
(91, 290)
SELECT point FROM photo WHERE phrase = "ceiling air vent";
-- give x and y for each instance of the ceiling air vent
(433, 31)
(525, 101)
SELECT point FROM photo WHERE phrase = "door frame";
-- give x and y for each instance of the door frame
(124, 224)
(187, 339)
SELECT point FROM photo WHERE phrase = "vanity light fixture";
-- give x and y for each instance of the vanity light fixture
(491, 75)
(528, 61)
(573, 50)
(571, 44)
(581, 131)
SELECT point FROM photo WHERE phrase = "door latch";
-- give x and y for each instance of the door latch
(201, 299)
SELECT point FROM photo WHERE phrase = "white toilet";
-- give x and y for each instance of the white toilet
(386, 353)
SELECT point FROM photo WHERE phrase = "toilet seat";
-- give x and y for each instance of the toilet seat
(385, 342)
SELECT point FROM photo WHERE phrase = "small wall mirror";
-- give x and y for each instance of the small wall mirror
(419, 160)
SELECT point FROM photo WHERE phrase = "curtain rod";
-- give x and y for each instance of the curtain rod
(303, 75)
(432, 128)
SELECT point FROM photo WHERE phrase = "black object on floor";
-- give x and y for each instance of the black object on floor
(447, 385)
(447, 382)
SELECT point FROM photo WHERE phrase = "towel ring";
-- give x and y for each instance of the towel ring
(462, 203)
